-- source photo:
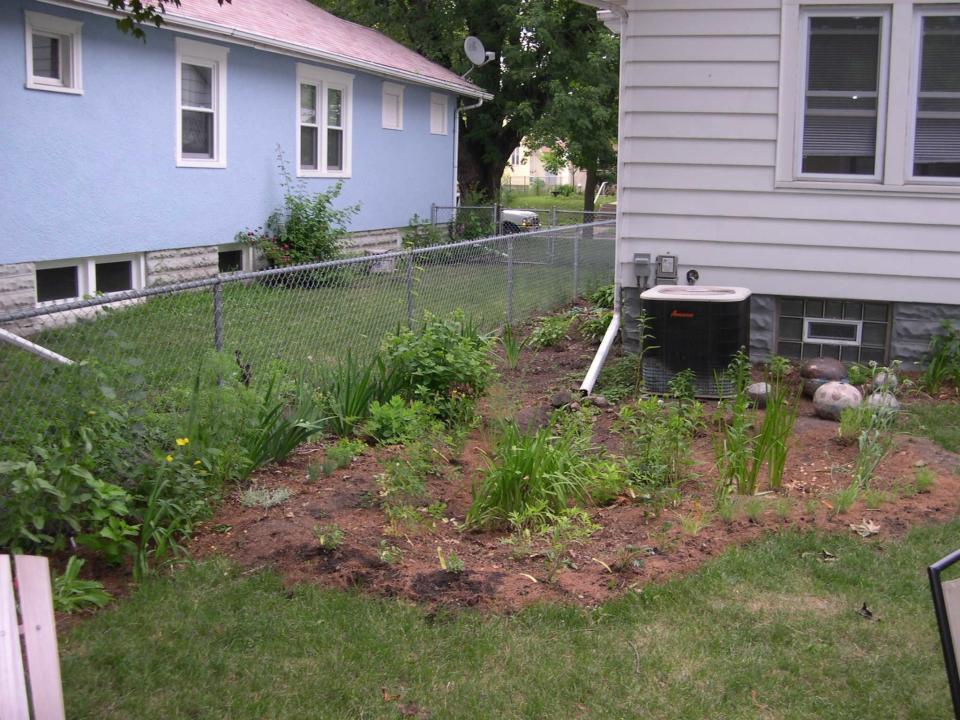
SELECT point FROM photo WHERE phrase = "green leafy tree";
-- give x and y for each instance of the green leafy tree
(134, 13)
(579, 123)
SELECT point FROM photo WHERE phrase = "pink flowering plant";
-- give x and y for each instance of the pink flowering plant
(306, 228)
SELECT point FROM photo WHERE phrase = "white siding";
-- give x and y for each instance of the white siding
(700, 101)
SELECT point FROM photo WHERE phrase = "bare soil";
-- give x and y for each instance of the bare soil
(635, 546)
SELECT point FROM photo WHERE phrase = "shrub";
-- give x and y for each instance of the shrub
(398, 422)
(307, 228)
(445, 363)
(70, 593)
(550, 331)
(603, 296)
(348, 391)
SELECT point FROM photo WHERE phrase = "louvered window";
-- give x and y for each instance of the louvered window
(936, 144)
(843, 95)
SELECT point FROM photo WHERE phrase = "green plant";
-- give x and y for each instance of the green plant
(844, 499)
(594, 324)
(942, 360)
(264, 498)
(398, 422)
(727, 510)
(629, 559)
(550, 331)
(782, 508)
(315, 470)
(562, 530)
(70, 593)
(606, 481)
(533, 474)
(874, 499)
(329, 537)
(873, 444)
(924, 479)
(389, 554)
(341, 454)
(603, 296)
(445, 363)
(403, 517)
(281, 425)
(512, 346)
(692, 523)
(450, 562)
(348, 391)
(420, 233)
(307, 228)
(753, 508)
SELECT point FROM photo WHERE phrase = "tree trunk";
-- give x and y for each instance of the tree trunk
(589, 191)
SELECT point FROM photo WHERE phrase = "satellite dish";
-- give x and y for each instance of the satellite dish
(475, 51)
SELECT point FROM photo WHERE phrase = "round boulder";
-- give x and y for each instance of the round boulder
(810, 386)
(832, 397)
(885, 401)
(823, 369)
(758, 394)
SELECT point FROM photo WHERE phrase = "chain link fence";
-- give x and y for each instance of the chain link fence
(294, 321)
(470, 221)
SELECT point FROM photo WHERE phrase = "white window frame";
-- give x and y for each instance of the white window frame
(817, 340)
(921, 12)
(441, 100)
(87, 274)
(64, 30)
(324, 80)
(392, 90)
(191, 52)
(900, 103)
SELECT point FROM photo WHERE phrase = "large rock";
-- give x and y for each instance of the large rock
(758, 394)
(831, 398)
(811, 385)
(823, 369)
(885, 401)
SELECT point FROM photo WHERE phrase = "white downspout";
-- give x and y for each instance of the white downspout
(38, 350)
(593, 372)
(456, 145)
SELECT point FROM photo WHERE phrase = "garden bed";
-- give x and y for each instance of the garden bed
(640, 538)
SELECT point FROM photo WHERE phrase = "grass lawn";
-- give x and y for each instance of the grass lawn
(547, 201)
(765, 631)
(938, 421)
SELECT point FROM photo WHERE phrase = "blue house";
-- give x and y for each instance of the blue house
(127, 164)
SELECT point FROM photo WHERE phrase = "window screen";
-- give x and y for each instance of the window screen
(46, 56)
(114, 276)
(230, 260)
(936, 144)
(842, 95)
(196, 97)
(57, 283)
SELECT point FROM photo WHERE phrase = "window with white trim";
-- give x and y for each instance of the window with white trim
(870, 96)
(438, 114)
(936, 123)
(234, 257)
(62, 280)
(53, 53)
(201, 104)
(392, 106)
(324, 122)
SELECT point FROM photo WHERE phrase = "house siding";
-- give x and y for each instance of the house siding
(700, 101)
(95, 174)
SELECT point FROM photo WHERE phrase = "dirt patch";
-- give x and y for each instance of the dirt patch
(634, 546)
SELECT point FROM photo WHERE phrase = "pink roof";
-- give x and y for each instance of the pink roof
(300, 27)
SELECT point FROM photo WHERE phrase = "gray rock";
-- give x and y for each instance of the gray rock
(823, 369)
(531, 419)
(886, 401)
(564, 397)
(758, 394)
(599, 401)
(831, 398)
(810, 386)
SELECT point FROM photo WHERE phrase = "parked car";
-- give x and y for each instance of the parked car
(517, 221)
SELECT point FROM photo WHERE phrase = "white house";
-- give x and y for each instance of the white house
(808, 150)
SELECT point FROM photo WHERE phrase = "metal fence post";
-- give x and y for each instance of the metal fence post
(496, 219)
(576, 265)
(433, 213)
(510, 280)
(218, 316)
(553, 216)
(410, 289)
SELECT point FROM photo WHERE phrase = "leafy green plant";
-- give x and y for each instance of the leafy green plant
(420, 232)
(389, 554)
(782, 508)
(727, 510)
(779, 418)
(550, 331)
(445, 363)
(282, 426)
(307, 228)
(844, 499)
(450, 562)
(568, 527)
(329, 537)
(603, 296)
(398, 422)
(512, 346)
(924, 480)
(594, 324)
(341, 454)
(264, 498)
(532, 474)
(70, 593)
(692, 523)
(753, 508)
(348, 391)
(942, 360)
(873, 443)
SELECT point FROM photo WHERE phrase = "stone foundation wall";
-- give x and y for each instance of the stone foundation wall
(913, 324)
(17, 286)
(165, 267)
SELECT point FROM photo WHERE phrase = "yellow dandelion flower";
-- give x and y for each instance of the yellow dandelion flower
(169, 458)
(183, 441)
(196, 462)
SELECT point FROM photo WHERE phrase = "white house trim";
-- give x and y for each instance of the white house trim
(215, 58)
(392, 93)
(87, 273)
(324, 80)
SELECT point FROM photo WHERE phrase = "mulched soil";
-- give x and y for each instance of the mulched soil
(496, 576)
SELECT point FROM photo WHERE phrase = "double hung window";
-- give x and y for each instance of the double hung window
(324, 122)
(201, 104)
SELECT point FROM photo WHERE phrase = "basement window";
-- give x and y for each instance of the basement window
(61, 280)
(848, 330)
(53, 53)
